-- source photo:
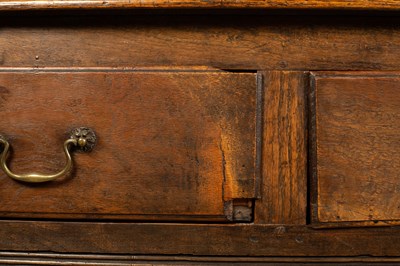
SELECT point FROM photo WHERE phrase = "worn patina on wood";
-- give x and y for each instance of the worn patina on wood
(173, 145)
(356, 155)
(260, 4)
(278, 49)
(284, 171)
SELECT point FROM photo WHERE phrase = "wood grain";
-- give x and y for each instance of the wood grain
(23, 258)
(241, 43)
(197, 239)
(223, 42)
(357, 147)
(171, 144)
(284, 171)
(269, 4)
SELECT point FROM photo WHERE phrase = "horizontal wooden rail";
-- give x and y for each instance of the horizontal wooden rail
(18, 258)
(262, 4)
(240, 240)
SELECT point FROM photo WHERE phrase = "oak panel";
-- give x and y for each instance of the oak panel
(172, 144)
(357, 147)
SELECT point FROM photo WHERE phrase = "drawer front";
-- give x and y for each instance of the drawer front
(356, 145)
(172, 145)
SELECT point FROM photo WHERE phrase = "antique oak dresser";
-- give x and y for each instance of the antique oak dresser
(199, 132)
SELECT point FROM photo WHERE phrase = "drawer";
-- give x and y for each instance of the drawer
(356, 148)
(171, 144)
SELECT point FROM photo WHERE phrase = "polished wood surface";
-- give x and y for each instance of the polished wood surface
(170, 144)
(24, 258)
(223, 42)
(357, 125)
(276, 50)
(284, 182)
(198, 239)
(243, 4)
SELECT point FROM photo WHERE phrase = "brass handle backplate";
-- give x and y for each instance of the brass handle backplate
(82, 138)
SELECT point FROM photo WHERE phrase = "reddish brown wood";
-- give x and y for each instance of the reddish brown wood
(172, 145)
(197, 239)
(284, 174)
(357, 148)
(18, 258)
(224, 42)
(243, 43)
(281, 4)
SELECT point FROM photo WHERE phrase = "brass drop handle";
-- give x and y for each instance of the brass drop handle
(82, 138)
